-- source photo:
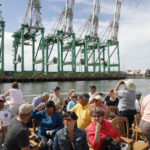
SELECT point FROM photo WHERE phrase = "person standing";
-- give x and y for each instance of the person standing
(17, 137)
(127, 97)
(57, 98)
(16, 97)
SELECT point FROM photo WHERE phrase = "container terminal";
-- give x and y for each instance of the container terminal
(61, 54)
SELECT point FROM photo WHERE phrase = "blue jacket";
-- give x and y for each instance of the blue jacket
(62, 141)
(47, 123)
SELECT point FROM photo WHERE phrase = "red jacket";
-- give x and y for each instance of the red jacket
(107, 130)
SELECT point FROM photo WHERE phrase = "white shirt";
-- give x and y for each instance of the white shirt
(16, 96)
(138, 105)
(6, 115)
(91, 96)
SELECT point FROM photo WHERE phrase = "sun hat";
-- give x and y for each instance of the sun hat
(73, 94)
(130, 85)
(97, 97)
(25, 109)
(71, 91)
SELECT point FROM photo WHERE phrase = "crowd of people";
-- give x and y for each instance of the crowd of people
(75, 123)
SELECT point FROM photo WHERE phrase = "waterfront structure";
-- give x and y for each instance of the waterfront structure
(85, 54)
(62, 53)
(30, 36)
(2, 27)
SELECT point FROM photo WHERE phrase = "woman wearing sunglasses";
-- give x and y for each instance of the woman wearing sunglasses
(70, 137)
(100, 130)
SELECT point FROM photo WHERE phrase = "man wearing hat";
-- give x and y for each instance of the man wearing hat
(92, 92)
(17, 137)
(82, 110)
(57, 98)
(127, 98)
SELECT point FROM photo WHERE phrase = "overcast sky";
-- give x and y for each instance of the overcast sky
(134, 31)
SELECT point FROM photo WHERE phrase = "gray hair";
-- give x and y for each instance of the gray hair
(45, 94)
(98, 111)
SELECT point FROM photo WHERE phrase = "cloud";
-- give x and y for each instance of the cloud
(134, 36)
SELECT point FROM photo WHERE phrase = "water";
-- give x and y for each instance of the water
(33, 89)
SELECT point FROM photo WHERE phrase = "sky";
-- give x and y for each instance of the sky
(134, 30)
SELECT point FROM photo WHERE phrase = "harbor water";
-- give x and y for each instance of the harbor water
(32, 89)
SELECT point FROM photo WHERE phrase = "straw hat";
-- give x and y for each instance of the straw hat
(98, 97)
(130, 85)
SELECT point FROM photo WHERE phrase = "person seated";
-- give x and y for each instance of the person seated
(40, 99)
(138, 102)
(92, 92)
(82, 110)
(57, 98)
(17, 137)
(6, 115)
(111, 99)
(70, 137)
(16, 97)
(97, 102)
(50, 121)
(73, 102)
(68, 99)
(100, 130)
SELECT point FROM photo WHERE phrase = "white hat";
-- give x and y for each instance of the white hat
(98, 97)
(130, 85)
(25, 109)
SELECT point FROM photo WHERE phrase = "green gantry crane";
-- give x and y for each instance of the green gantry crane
(2, 27)
(30, 36)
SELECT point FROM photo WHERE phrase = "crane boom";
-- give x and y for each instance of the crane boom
(33, 11)
(95, 19)
(114, 36)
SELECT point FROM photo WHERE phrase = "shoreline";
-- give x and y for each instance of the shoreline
(59, 77)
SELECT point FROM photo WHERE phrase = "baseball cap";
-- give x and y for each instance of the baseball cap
(25, 109)
(56, 88)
